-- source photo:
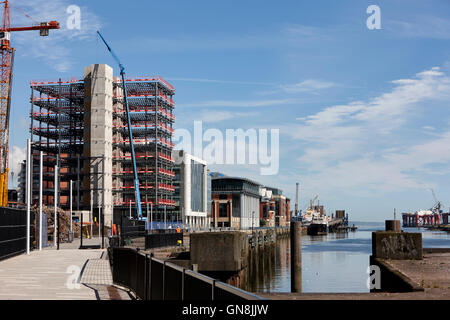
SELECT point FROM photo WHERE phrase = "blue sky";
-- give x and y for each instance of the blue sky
(363, 114)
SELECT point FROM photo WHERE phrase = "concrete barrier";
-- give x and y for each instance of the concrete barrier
(397, 246)
(391, 279)
(219, 251)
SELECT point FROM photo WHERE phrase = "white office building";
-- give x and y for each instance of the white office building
(191, 198)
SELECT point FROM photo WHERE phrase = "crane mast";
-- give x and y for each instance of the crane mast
(6, 76)
(7, 54)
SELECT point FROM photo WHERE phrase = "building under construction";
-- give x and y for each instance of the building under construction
(81, 126)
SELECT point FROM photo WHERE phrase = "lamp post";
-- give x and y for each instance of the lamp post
(41, 173)
(28, 193)
(55, 202)
(147, 221)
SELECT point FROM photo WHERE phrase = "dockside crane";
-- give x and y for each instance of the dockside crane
(311, 203)
(6, 76)
(437, 204)
(133, 158)
(313, 200)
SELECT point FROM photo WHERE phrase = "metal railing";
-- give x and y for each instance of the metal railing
(154, 279)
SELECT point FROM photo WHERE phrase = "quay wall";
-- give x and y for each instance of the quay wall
(238, 258)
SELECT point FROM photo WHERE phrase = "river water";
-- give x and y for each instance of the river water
(335, 262)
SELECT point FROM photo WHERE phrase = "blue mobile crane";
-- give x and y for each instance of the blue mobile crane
(133, 158)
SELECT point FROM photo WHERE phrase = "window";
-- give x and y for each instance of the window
(223, 210)
(197, 170)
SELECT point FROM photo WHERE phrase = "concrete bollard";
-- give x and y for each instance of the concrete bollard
(296, 256)
(393, 225)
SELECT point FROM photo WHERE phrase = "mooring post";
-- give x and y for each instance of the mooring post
(296, 256)
(393, 225)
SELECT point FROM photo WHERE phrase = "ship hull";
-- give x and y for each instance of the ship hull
(315, 229)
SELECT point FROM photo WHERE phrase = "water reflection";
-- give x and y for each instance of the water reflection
(330, 263)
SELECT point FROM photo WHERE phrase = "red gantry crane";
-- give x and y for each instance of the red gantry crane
(6, 75)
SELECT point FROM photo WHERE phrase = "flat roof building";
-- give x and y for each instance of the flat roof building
(191, 190)
(235, 203)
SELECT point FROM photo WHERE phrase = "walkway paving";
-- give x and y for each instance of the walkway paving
(65, 274)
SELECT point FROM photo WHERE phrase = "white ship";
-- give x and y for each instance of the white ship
(315, 219)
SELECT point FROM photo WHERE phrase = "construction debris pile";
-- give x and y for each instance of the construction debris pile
(64, 222)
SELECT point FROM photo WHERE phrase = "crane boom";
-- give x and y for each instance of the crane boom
(133, 158)
(434, 195)
(42, 26)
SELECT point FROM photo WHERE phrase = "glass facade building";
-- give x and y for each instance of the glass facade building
(197, 185)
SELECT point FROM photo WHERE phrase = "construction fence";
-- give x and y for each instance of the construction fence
(13, 231)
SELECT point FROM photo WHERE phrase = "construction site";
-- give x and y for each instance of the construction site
(79, 128)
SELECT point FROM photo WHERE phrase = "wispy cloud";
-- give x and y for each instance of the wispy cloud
(291, 35)
(225, 42)
(54, 50)
(420, 26)
(222, 81)
(312, 86)
(297, 33)
(240, 104)
(356, 146)
(307, 86)
(209, 116)
(388, 110)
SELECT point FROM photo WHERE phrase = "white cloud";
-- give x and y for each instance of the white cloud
(383, 113)
(54, 50)
(358, 147)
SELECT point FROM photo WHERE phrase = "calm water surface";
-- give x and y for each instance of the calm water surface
(336, 262)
